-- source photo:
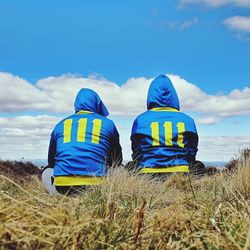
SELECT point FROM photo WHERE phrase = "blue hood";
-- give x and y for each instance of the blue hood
(88, 99)
(162, 93)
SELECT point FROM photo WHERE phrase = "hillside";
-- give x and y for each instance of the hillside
(127, 212)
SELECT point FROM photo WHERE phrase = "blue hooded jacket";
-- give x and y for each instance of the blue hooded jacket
(84, 143)
(163, 136)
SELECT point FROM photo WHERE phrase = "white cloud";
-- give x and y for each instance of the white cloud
(238, 23)
(216, 3)
(159, 19)
(16, 94)
(56, 95)
(168, 24)
(221, 148)
(26, 136)
(194, 99)
(209, 120)
(189, 23)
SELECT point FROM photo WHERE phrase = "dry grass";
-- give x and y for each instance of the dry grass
(130, 212)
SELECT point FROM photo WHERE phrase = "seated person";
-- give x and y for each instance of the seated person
(82, 146)
(164, 140)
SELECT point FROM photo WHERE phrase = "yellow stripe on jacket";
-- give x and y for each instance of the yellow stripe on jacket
(175, 169)
(78, 180)
(165, 109)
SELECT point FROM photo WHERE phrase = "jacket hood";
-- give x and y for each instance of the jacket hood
(88, 99)
(162, 93)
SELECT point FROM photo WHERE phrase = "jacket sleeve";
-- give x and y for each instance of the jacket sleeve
(135, 145)
(193, 144)
(115, 153)
(52, 150)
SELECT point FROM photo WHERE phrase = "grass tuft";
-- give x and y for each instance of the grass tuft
(128, 212)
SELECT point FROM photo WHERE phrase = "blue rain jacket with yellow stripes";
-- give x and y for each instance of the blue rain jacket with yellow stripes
(84, 143)
(163, 136)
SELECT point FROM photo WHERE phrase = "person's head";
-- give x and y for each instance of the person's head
(162, 93)
(89, 100)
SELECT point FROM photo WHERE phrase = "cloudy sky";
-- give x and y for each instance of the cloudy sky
(51, 49)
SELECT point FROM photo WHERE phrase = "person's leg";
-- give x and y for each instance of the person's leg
(63, 189)
(197, 168)
(132, 166)
(159, 177)
(48, 180)
(71, 190)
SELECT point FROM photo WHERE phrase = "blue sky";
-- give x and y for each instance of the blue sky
(120, 39)
(206, 44)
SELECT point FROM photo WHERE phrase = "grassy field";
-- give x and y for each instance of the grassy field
(128, 212)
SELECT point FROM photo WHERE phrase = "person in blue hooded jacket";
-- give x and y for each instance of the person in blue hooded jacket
(164, 140)
(82, 146)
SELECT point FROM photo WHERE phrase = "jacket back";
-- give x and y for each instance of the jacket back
(84, 143)
(163, 136)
